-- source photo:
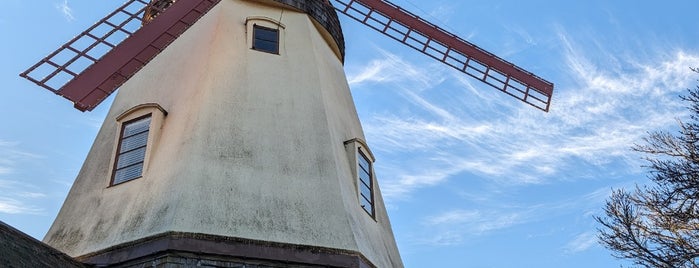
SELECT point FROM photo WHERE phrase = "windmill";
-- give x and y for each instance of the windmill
(233, 138)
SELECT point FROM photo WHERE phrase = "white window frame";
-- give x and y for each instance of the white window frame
(355, 149)
(265, 22)
(157, 115)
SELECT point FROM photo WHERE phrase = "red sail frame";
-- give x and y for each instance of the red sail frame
(89, 86)
(448, 48)
(88, 73)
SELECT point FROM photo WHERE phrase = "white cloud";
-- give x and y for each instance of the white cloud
(6, 158)
(445, 238)
(7, 184)
(407, 183)
(15, 196)
(582, 242)
(519, 40)
(454, 227)
(13, 206)
(457, 216)
(32, 195)
(594, 120)
(10, 155)
(5, 170)
(393, 69)
(479, 221)
(65, 9)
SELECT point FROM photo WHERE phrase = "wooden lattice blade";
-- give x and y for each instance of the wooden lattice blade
(103, 57)
(409, 29)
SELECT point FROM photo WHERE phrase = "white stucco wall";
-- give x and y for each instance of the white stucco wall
(252, 147)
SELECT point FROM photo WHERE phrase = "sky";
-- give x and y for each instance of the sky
(471, 177)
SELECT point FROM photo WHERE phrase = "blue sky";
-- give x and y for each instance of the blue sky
(471, 177)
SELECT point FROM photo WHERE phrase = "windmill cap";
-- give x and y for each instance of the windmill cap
(323, 13)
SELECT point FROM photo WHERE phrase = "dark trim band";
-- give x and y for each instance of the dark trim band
(226, 246)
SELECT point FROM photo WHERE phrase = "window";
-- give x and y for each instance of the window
(365, 177)
(265, 39)
(265, 34)
(362, 174)
(132, 150)
(136, 137)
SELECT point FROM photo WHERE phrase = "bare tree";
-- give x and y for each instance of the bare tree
(658, 225)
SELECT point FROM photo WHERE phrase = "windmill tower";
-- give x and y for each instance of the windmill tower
(233, 138)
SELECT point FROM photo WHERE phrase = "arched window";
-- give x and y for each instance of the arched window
(265, 34)
(362, 161)
(139, 128)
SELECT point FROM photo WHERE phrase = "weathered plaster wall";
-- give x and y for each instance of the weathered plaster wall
(252, 146)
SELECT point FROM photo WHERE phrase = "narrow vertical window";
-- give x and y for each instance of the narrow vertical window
(265, 39)
(366, 189)
(132, 150)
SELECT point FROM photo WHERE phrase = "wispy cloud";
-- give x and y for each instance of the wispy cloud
(14, 206)
(31, 195)
(7, 157)
(16, 196)
(594, 119)
(582, 242)
(65, 9)
(454, 227)
(478, 221)
(517, 42)
(10, 155)
(393, 69)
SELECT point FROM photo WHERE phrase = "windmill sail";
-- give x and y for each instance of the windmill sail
(87, 69)
(448, 48)
(92, 65)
